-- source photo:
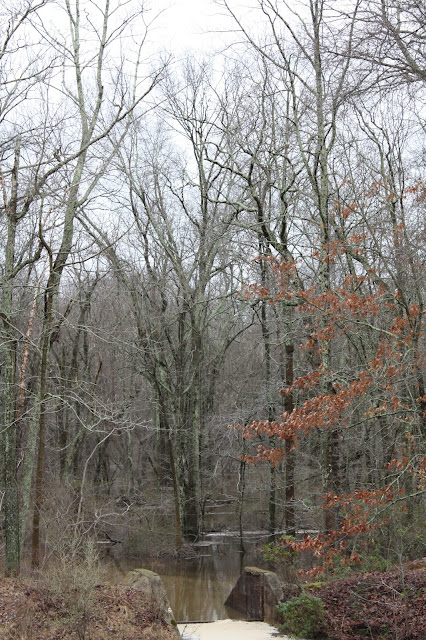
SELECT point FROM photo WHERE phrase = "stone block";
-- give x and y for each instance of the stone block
(152, 590)
(256, 594)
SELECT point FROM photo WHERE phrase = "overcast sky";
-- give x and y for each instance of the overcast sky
(187, 24)
(198, 24)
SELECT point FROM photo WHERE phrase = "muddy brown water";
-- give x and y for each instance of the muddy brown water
(198, 586)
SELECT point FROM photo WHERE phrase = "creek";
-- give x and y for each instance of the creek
(198, 585)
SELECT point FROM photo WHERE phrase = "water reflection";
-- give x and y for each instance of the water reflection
(198, 586)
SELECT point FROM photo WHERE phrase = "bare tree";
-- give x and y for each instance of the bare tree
(391, 37)
(65, 170)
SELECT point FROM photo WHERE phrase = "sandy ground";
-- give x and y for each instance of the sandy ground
(227, 630)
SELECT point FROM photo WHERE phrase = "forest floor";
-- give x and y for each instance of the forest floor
(29, 612)
(389, 605)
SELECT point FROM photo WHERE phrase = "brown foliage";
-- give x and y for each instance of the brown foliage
(387, 605)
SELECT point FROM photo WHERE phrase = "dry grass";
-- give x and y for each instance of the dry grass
(28, 611)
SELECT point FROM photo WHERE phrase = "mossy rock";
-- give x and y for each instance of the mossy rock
(152, 590)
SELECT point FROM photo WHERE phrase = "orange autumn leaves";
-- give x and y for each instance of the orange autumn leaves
(380, 385)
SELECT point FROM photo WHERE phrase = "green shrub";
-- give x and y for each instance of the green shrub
(280, 552)
(303, 616)
(282, 559)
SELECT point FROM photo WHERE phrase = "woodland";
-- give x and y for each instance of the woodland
(212, 280)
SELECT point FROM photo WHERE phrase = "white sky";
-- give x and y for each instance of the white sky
(196, 24)
(187, 24)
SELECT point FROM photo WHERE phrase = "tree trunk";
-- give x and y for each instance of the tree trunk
(9, 432)
(289, 512)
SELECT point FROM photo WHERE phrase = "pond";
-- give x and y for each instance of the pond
(198, 585)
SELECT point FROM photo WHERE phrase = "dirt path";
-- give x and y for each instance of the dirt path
(228, 630)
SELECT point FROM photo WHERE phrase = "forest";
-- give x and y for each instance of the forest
(212, 279)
